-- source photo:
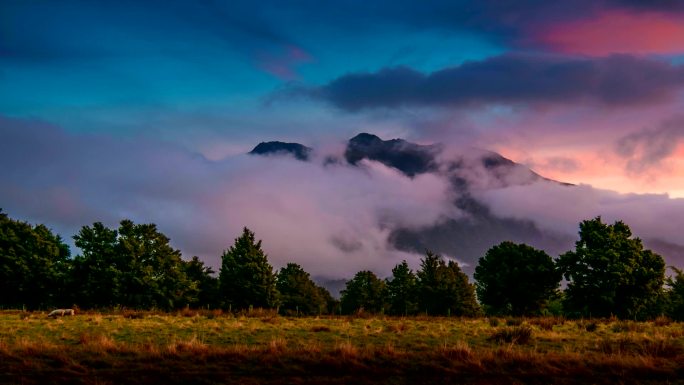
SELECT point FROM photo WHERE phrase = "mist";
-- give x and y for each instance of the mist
(332, 218)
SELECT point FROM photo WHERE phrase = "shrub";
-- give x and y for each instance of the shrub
(662, 321)
(133, 314)
(547, 323)
(628, 326)
(317, 329)
(514, 321)
(514, 335)
(591, 326)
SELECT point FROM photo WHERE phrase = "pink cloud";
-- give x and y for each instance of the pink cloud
(283, 64)
(617, 31)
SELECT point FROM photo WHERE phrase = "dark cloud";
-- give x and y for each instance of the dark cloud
(618, 80)
(647, 148)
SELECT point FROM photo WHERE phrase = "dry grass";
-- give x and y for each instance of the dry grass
(546, 323)
(519, 335)
(210, 347)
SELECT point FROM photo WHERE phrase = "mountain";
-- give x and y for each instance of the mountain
(409, 158)
(297, 150)
(469, 172)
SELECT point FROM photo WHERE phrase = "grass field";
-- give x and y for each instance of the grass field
(210, 347)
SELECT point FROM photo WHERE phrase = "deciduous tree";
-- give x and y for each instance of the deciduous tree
(515, 279)
(34, 265)
(364, 292)
(609, 272)
(298, 293)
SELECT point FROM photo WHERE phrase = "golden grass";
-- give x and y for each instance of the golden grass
(262, 347)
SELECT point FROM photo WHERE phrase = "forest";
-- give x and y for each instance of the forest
(608, 274)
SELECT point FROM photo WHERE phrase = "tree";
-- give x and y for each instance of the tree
(401, 290)
(515, 279)
(97, 271)
(610, 273)
(364, 292)
(444, 289)
(206, 283)
(298, 293)
(132, 266)
(246, 278)
(675, 295)
(34, 265)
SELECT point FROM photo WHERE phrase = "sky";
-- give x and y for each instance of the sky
(145, 110)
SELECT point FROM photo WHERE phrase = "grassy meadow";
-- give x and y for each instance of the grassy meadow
(208, 347)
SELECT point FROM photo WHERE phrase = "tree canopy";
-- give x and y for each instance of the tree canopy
(610, 273)
(364, 292)
(298, 293)
(443, 288)
(246, 278)
(34, 265)
(402, 290)
(675, 295)
(515, 279)
(133, 266)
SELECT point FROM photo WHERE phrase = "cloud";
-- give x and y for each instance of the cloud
(617, 31)
(560, 208)
(617, 80)
(648, 148)
(334, 220)
(560, 163)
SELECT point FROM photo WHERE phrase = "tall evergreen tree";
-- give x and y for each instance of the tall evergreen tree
(364, 292)
(610, 273)
(246, 278)
(444, 288)
(34, 266)
(516, 279)
(401, 290)
(298, 293)
(206, 282)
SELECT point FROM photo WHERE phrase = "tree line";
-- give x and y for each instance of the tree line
(609, 273)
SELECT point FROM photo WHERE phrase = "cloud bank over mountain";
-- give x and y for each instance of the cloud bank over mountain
(331, 215)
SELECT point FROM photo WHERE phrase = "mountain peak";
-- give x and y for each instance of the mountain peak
(407, 157)
(365, 139)
(297, 150)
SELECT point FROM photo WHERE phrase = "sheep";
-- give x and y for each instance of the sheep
(61, 313)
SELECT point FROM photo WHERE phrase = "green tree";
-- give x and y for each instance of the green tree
(132, 266)
(153, 275)
(515, 279)
(675, 295)
(206, 283)
(443, 288)
(298, 293)
(364, 292)
(610, 273)
(34, 266)
(97, 271)
(246, 278)
(401, 290)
